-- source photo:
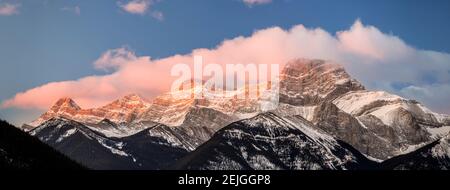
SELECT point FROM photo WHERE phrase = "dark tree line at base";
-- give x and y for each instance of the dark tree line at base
(19, 150)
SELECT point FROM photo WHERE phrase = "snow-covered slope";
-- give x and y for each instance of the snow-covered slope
(268, 141)
(434, 156)
(384, 106)
(405, 124)
(143, 150)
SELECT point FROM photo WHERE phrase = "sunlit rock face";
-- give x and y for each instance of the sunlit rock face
(310, 82)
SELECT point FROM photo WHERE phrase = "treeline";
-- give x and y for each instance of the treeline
(19, 150)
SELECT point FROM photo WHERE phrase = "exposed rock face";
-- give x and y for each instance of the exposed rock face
(126, 109)
(64, 107)
(123, 110)
(352, 130)
(310, 82)
(170, 109)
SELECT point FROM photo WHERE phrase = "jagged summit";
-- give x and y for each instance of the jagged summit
(65, 103)
(311, 63)
(64, 107)
(130, 101)
(132, 97)
(124, 109)
(310, 82)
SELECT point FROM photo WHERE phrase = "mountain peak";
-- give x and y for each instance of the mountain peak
(305, 66)
(309, 82)
(132, 97)
(65, 104)
(65, 107)
(129, 100)
(124, 109)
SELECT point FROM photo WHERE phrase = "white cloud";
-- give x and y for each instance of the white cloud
(76, 9)
(115, 58)
(380, 61)
(142, 7)
(7, 9)
(256, 2)
(436, 96)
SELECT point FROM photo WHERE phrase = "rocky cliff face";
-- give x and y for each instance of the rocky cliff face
(309, 82)
(123, 110)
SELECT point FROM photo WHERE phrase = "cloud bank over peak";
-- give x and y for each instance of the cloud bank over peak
(380, 61)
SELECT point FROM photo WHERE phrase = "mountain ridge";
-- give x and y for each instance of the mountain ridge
(376, 123)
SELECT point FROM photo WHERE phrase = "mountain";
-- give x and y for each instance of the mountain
(405, 124)
(268, 141)
(123, 110)
(19, 150)
(434, 156)
(377, 124)
(143, 150)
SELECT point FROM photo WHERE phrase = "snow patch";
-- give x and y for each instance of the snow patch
(438, 132)
(352, 102)
(66, 134)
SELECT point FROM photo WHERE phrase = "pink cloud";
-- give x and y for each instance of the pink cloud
(137, 6)
(142, 7)
(7, 9)
(371, 42)
(375, 58)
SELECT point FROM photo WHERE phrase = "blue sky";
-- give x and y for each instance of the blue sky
(46, 41)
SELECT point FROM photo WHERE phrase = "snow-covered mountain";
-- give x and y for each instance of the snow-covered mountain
(268, 141)
(377, 124)
(403, 124)
(143, 150)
